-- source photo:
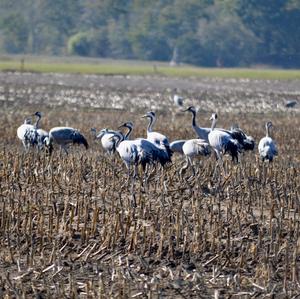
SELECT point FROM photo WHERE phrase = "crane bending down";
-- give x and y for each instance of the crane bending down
(193, 148)
(160, 140)
(108, 143)
(267, 147)
(222, 142)
(64, 136)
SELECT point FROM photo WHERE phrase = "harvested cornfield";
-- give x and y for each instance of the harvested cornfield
(72, 226)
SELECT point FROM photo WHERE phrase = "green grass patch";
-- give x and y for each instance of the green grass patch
(115, 67)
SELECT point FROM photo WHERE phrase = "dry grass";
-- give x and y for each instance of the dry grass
(72, 227)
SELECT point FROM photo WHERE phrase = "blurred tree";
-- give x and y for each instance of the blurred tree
(202, 32)
(15, 33)
(224, 38)
(276, 24)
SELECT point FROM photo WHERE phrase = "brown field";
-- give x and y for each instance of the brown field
(71, 226)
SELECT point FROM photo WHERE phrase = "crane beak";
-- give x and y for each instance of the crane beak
(144, 116)
(185, 110)
(122, 126)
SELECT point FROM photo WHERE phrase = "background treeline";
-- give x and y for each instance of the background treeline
(200, 32)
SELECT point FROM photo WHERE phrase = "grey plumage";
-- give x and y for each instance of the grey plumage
(176, 146)
(64, 136)
(267, 147)
(160, 140)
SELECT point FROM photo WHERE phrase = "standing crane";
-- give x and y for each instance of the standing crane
(178, 100)
(158, 139)
(64, 136)
(201, 132)
(40, 133)
(23, 133)
(131, 153)
(267, 147)
(155, 153)
(28, 133)
(193, 148)
(222, 142)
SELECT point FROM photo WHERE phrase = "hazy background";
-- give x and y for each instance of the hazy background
(199, 32)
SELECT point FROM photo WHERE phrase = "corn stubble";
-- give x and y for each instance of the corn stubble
(72, 226)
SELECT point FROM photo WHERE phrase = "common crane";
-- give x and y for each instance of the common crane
(201, 132)
(28, 133)
(222, 142)
(267, 147)
(131, 153)
(64, 136)
(158, 139)
(193, 148)
(155, 153)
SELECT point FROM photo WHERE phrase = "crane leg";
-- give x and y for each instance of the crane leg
(184, 167)
(25, 145)
(221, 163)
(192, 166)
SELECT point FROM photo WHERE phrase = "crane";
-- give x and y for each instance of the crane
(178, 100)
(267, 147)
(202, 133)
(131, 153)
(108, 143)
(24, 132)
(157, 138)
(28, 133)
(64, 136)
(193, 148)
(222, 142)
(155, 153)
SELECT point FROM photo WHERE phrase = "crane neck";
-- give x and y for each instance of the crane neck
(37, 121)
(194, 124)
(213, 124)
(151, 124)
(128, 133)
(267, 130)
(120, 138)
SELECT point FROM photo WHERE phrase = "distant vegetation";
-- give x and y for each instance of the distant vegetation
(130, 67)
(125, 67)
(200, 32)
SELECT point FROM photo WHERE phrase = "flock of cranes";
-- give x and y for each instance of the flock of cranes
(155, 148)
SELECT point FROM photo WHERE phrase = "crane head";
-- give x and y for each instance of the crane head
(48, 144)
(214, 116)
(269, 124)
(102, 133)
(149, 114)
(38, 114)
(190, 109)
(128, 125)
